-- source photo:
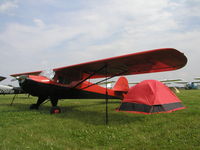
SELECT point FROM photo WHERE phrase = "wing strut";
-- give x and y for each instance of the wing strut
(106, 79)
(89, 76)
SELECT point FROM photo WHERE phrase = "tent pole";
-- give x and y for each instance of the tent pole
(106, 95)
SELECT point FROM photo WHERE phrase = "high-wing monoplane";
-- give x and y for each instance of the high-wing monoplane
(72, 82)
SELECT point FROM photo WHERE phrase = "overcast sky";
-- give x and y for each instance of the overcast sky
(36, 35)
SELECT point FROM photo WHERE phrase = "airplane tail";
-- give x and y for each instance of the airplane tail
(121, 85)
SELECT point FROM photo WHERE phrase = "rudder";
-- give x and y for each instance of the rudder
(121, 85)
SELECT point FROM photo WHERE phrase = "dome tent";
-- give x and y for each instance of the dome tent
(150, 96)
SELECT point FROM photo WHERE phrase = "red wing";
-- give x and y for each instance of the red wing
(27, 73)
(137, 63)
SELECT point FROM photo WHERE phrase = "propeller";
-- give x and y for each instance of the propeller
(19, 78)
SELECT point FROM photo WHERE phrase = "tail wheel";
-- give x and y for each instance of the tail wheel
(55, 110)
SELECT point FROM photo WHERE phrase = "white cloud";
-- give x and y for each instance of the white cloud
(39, 22)
(103, 29)
(23, 38)
(6, 6)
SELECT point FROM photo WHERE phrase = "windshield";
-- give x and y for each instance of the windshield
(49, 73)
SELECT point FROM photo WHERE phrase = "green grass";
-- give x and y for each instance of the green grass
(81, 125)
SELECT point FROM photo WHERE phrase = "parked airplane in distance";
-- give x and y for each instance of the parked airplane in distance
(9, 89)
(189, 85)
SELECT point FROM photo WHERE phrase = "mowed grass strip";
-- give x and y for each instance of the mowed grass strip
(81, 125)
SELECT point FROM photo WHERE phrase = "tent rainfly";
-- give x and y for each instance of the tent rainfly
(150, 96)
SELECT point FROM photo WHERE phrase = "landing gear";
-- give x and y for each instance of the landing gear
(39, 102)
(55, 110)
(54, 101)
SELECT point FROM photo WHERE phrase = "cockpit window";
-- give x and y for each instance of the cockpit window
(48, 74)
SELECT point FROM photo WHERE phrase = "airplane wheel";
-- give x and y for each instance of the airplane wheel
(55, 110)
(34, 106)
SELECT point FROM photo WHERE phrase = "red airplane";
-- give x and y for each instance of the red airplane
(70, 82)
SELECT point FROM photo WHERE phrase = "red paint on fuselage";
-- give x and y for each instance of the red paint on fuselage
(85, 86)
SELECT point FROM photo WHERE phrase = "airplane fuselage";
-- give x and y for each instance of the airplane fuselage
(45, 89)
(42, 87)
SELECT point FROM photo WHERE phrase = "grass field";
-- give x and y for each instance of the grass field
(81, 125)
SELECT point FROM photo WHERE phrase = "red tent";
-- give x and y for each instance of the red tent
(150, 96)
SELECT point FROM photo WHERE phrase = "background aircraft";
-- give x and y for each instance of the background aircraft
(189, 85)
(2, 78)
(167, 82)
(197, 78)
(9, 89)
(71, 82)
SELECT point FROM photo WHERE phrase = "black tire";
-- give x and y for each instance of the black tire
(55, 110)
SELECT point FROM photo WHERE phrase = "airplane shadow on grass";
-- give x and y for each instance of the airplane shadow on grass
(93, 116)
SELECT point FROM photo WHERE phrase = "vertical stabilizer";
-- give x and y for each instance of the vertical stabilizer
(121, 85)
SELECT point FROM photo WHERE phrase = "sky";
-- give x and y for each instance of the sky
(37, 35)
